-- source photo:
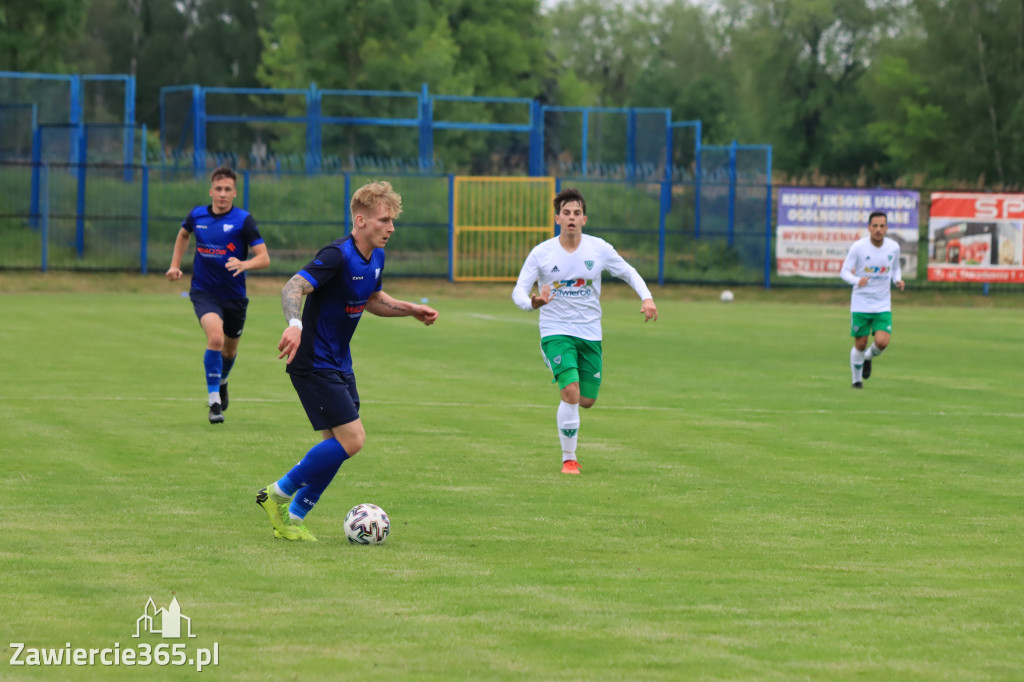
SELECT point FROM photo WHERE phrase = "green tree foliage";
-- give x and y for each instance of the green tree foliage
(797, 65)
(33, 35)
(949, 92)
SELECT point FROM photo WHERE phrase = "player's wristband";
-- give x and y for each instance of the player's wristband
(295, 322)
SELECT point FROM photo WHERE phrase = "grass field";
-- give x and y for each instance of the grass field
(743, 514)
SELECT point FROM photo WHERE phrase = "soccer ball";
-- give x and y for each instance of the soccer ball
(726, 296)
(367, 524)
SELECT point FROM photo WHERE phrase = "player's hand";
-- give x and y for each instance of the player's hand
(236, 266)
(425, 314)
(863, 282)
(900, 284)
(173, 274)
(543, 298)
(289, 345)
(649, 310)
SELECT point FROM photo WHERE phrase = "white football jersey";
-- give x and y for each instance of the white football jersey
(881, 265)
(575, 280)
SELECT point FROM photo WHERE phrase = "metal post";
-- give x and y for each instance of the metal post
(80, 203)
(37, 162)
(129, 131)
(768, 220)
(666, 197)
(698, 170)
(451, 227)
(586, 135)
(426, 129)
(45, 236)
(631, 144)
(198, 130)
(732, 193)
(144, 220)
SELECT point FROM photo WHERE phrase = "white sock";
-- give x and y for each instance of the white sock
(280, 493)
(873, 352)
(857, 364)
(568, 429)
(215, 397)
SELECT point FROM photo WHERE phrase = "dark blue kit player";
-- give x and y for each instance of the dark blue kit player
(224, 235)
(339, 284)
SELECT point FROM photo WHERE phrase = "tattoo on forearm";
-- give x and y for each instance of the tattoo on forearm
(291, 296)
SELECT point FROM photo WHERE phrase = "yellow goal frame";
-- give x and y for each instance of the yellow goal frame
(496, 222)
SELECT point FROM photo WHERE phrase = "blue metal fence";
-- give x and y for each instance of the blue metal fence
(684, 211)
(114, 217)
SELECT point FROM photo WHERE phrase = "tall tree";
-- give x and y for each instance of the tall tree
(33, 35)
(957, 81)
(797, 65)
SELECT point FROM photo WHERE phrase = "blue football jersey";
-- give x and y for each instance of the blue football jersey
(343, 281)
(218, 238)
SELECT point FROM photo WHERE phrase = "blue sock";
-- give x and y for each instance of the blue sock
(313, 474)
(288, 486)
(228, 364)
(214, 362)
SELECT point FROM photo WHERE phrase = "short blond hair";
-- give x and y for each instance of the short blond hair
(373, 195)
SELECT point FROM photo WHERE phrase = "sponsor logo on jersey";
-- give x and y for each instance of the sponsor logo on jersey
(573, 288)
(231, 247)
(208, 251)
(355, 309)
(876, 269)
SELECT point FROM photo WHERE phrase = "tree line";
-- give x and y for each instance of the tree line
(918, 92)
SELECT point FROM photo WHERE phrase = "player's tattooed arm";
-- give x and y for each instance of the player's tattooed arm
(291, 296)
(385, 306)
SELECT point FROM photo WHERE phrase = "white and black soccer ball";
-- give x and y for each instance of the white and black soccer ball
(367, 524)
(726, 296)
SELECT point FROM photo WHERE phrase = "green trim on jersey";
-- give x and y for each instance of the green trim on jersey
(865, 324)
(572, 359)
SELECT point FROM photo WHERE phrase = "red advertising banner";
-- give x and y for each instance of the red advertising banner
(975, 237)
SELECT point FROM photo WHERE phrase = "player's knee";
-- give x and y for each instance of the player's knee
(587, 402)
(882, 343)
(353, 443)
(571, 393)
(215, 341)
(861, 343)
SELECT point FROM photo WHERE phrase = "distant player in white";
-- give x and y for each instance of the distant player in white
(567, 270)
(872, 266)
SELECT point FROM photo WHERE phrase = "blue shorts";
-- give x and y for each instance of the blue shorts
(330, 398)
(231, 311)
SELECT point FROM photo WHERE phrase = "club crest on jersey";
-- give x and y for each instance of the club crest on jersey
(557, 359)
(589, 264)
(227, 227)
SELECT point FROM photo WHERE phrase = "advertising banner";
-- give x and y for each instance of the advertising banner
(974, 237)
(816, 227)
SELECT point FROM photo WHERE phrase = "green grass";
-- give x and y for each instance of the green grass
(743, 514)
